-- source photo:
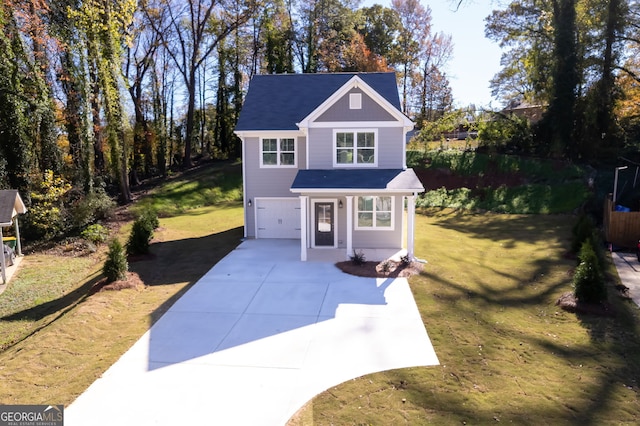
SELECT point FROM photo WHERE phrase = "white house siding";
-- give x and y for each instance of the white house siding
(267, 182)
(389, 145)
(370, 111)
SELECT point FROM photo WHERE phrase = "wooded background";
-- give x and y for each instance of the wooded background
(96, 95)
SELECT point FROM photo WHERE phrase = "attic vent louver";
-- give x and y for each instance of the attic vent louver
(355, 101)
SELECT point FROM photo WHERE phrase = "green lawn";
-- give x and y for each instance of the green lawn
(507, 353)
(57, 336)
(487, 298)
(55, 349)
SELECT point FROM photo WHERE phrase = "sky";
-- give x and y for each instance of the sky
(475, 58)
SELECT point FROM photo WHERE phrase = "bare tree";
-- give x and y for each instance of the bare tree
(193, 31)
(140, 60)
(416, 28)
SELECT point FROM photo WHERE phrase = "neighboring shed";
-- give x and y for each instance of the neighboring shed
(10, 206)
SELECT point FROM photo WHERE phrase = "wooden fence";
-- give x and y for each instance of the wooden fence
(621, 228)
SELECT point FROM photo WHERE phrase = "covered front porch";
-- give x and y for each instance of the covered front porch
(348, 211)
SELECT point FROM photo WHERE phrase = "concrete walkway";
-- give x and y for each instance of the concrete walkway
(255, 339)
(629, 272)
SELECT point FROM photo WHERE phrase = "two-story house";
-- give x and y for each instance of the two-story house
(324, 161)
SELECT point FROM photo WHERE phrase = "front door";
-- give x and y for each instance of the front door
(325, 224)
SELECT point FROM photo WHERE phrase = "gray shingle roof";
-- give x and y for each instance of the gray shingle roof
(349, 179)
(279, 101)
(9, 201)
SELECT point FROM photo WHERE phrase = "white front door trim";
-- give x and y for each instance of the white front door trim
(313, 221)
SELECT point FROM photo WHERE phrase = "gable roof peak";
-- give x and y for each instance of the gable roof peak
(279, 101)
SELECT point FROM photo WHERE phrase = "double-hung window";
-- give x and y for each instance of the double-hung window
(374, 213)
(355, 148)
(278, 152)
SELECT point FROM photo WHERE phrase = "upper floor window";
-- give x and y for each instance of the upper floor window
(278, 152)
(355, 148)
(374, 213)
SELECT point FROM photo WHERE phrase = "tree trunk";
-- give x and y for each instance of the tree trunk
(191, 88)
(98, 134)
(561, 113)
(605, 119)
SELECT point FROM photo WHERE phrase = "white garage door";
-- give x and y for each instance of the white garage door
(278, 218)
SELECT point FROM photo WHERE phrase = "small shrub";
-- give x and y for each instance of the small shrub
(95, 233)
(588, 280)
(582, 231)
(139, 238)
(150, 216)
(386, 266)
(406, 259)
(142, 232)
(115, 267)
(45, 217)
(92, 207)
(357, 258)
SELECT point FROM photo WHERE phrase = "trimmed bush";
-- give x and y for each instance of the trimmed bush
(115, 267)
(582, 231)
(588, 280)
(142, 232)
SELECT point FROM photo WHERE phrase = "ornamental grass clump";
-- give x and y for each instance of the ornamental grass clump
(358, 258)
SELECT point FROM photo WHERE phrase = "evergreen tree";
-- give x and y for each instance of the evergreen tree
(115, 267)
(588, 279)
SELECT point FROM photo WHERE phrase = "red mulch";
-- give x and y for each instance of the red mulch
(132, 281)
(376, 269)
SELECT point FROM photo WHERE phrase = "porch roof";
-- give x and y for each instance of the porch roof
(10, 205)
(357, 180)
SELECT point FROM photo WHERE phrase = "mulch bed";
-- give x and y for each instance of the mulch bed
(569, 303)
(379, 270)
(132, 281)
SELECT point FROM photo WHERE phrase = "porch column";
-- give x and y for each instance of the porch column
(2, 263)
(349, 225)
(411, 220)
(303, 228)
(17, 229)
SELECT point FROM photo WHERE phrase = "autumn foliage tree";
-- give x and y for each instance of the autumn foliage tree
(568, 56)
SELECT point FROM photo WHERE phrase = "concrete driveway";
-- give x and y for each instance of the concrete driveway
(255, 339)
(629, 272)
